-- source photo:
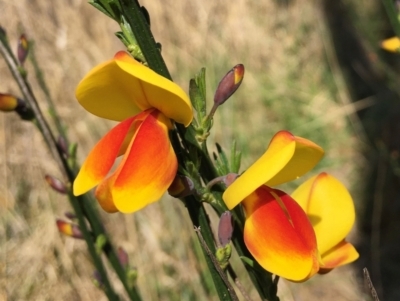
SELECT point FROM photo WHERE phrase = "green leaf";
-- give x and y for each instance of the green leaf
(120, 35)
(101, 241)
(197, 99)
(101, 8)
(236, 157)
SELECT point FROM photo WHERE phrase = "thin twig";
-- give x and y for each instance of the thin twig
(30, 99)
(370, 286)
(216, 265)
(82, 206)
(238, 283)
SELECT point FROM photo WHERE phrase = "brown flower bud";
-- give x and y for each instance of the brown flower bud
(56, 184)
(23, 49)
(225, 228)
(123, 257)
(229, 84)
(229, 178)
(71, 216)
(181, 186)
(63, 146)
(69, 229)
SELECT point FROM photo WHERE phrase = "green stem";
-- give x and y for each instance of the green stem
(92, 251)
(82, 204)
(141, 30)
(393, 16)
(45, 89)
(142, 33)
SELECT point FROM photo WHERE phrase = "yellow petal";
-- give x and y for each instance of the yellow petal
(287, 158)
(330, 208)
(391, 44)
(159, 92)
(109, 92)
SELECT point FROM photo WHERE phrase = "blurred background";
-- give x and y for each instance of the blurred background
(312, 67)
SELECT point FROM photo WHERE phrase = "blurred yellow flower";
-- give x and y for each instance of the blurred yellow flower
(391, 44)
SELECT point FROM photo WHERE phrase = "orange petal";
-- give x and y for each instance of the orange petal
(343, 253)
(146, 170)
(287, 158)
(104, 196)
(279, 235)
(102, 157)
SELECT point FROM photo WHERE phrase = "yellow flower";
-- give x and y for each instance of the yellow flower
(144, 102)
(278, 230)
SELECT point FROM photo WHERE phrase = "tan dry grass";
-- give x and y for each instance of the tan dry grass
(283, 49)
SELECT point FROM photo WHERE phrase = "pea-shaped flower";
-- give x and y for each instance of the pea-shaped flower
(145, 103)
(277, 231)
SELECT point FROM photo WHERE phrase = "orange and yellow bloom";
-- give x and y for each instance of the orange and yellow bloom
(144, 102)
(280, 231)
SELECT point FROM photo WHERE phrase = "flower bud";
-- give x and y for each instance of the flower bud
(56, 184)
(131, 276)
(181, 186)
(123, 257)
(63, 146)
(69, 229)
(100, 243)
(97, 280)
(225, 228)
(229, 84)
(223, 254)
(71, 216)
(23, 49)
(8, 102)
(229, 178)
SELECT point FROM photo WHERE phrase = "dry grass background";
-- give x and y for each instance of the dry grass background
(291, 82)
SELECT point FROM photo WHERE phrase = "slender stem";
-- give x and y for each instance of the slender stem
(392, 14)
(141, 30)
(216, 265)
(238, 283)
(29, 98)
(82, 204)
(369, 285)
(45, 89)
(90, 243)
